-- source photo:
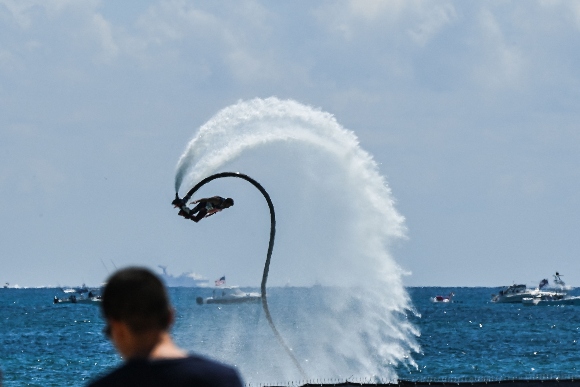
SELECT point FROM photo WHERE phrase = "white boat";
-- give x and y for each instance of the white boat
(229, 295)
(551, 301)
(95, 300)
(516, 293)
(189, 280)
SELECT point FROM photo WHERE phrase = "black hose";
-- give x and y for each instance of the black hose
(270, 248)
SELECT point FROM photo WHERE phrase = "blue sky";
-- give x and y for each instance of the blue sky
(469, 108)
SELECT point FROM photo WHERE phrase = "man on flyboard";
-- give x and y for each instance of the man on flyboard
(205, 207)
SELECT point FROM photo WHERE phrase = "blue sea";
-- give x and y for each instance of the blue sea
(470, 339)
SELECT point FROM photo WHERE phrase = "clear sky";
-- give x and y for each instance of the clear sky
(470, 109)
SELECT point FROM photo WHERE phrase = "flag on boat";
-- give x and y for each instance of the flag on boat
(220, 281)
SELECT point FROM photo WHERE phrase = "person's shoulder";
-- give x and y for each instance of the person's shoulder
(111, 379)
(211, 371)
(205, 363)
(193, 369)
(199, 359)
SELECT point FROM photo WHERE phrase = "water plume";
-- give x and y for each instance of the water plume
(337, 221)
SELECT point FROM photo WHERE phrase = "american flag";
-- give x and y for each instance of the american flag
(220, 281)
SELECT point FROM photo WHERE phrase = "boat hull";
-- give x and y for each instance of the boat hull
(517, 296)
(238, 300)
(228, 300)
(542, 302)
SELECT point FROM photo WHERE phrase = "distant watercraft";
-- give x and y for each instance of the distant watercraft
(447, 298)
(519, 293)
(229, 295)
(189, 280)
(553, 299)
(79, 289)
(73, 299)
(81, 295)
(516, 293)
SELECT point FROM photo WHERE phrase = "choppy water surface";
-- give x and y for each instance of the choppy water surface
(473, 338)
(62, 345)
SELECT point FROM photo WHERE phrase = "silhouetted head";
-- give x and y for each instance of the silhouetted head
(228, 202)
(137, 297)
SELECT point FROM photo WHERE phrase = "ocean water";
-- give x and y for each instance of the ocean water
(470, 339)
(475, 339)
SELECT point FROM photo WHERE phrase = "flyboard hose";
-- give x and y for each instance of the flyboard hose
(270, 249)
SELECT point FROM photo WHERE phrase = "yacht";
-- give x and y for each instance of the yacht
(516, 293)
(190, 280)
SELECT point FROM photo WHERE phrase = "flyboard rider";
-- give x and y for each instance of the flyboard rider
(205, 207)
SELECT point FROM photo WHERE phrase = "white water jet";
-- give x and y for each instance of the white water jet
(337, 220)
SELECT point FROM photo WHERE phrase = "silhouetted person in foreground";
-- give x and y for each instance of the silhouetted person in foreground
(138, 315)
(205, 207)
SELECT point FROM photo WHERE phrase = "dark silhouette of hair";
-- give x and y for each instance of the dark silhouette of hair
(137, 297)
(229, 201)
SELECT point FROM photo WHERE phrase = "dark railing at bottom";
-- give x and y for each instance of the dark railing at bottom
(552, 382)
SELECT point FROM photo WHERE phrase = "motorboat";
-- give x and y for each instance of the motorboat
(516, 293)
(73, 299)
(447, 298)
(551, 301)
(80, 290)
(555, 298)
(229, 295)
(95, 300)
(512, 293)
(92, 297)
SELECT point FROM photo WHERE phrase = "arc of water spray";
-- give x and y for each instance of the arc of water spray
(270, 249)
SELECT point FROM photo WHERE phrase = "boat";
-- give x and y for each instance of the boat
(551, 301)
(512, 293)
(447, 298)
(229, 295)
(80, 290)
(190, 280)
(95, 300)
(92, 297)
(516, 293)
(73, 299)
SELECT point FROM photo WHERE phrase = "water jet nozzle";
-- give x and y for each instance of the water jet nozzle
(177, 202)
